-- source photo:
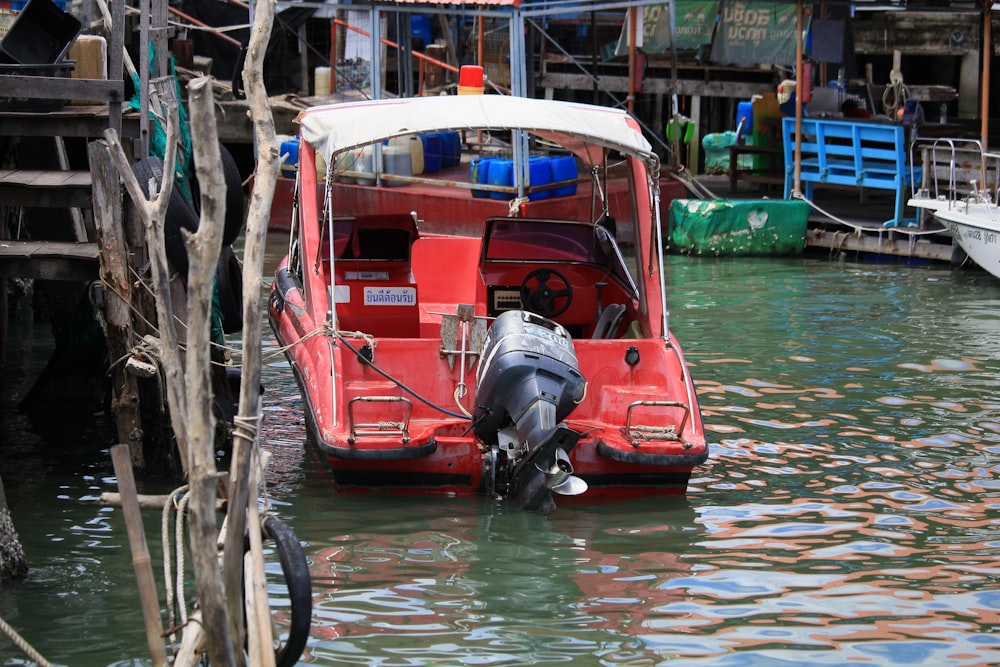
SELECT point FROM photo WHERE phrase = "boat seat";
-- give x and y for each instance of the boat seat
(607, 323)
(376, 292)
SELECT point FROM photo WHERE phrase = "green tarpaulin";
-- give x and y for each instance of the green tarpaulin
(738, 226)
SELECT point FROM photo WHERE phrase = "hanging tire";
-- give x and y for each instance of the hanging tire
(295, 570)
(180, 213)
(229, 283)
(235, 197)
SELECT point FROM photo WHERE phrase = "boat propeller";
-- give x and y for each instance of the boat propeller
(547, 470)
(560, 478)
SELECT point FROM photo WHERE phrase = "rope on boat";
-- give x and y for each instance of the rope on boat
(22, 644)
(912, 231)
(398, 383)
(700, 189)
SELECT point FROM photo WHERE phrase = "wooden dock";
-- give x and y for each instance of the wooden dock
(49, 260)
(852, 221)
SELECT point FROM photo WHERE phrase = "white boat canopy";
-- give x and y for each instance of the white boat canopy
(335, 128)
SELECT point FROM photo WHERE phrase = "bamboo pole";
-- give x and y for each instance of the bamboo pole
(245, 436)
(799, 87)
(148, 502)
(141, 562)
(986, 52)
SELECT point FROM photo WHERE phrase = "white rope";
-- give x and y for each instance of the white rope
(168, 510)
(895, 94)
(699, 189)
(179, 547)
(912, 231)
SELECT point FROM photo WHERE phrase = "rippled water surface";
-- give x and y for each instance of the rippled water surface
(848, 514)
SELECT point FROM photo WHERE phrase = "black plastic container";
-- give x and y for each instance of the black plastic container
(40, 35)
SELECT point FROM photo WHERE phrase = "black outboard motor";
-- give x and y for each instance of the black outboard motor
(528, 377)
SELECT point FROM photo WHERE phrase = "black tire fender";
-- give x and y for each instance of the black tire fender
(229, 283)
(295, 569)
(180, 213)
(235, 197)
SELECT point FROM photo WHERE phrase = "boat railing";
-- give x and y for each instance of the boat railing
(952, 164)
(381, 428)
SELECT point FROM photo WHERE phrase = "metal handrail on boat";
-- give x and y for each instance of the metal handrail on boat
(382, 428)
(637, 433)
(946, 153)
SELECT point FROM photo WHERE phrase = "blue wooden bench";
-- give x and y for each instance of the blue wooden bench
(861, 154)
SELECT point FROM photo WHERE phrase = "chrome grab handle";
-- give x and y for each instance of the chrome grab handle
(400, 428)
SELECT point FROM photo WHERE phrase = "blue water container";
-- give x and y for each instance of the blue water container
(564, 169)
(744, 113)
(433, 151)
(539, 173)
(479, 169)
(451, 148)
(501, 173)
(420, 29)
(290, 164)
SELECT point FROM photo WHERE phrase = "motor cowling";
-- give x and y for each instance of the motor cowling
(529, 379)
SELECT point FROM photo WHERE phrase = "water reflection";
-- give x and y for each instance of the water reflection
(848, 514)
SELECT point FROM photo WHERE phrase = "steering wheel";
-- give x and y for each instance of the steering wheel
(540, 298)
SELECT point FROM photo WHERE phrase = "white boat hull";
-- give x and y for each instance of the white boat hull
(976, 229)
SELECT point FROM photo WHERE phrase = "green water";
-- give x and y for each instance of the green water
(848, 513)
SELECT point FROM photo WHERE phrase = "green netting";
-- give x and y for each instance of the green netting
(158, 132)
(738, 226)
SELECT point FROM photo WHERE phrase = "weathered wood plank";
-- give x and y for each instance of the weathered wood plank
(62, 88)
(71, 121)
(48, 260)
(41, 188)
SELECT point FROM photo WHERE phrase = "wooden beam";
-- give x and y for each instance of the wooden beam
(48, 260)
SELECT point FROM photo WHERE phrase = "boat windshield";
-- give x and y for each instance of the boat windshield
(555, 241)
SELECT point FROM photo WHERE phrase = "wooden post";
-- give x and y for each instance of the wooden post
(245, 436)
(203, 252)
(154, 212)
(190, 407)
(13, 565)
(140, 554)
(125, 402)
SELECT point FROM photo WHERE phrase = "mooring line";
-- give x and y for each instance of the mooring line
(20, 642)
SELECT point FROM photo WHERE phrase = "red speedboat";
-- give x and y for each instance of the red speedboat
(508, 335)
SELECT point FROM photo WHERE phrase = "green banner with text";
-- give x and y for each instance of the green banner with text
(756, 33)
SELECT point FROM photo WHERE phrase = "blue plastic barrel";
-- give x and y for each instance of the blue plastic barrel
(420, 29)
(290, 164)
(451, 148)
(539, 173)
(744, 113)
(433, 151)
(564, 169)
(479, 169)
(501, 173)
